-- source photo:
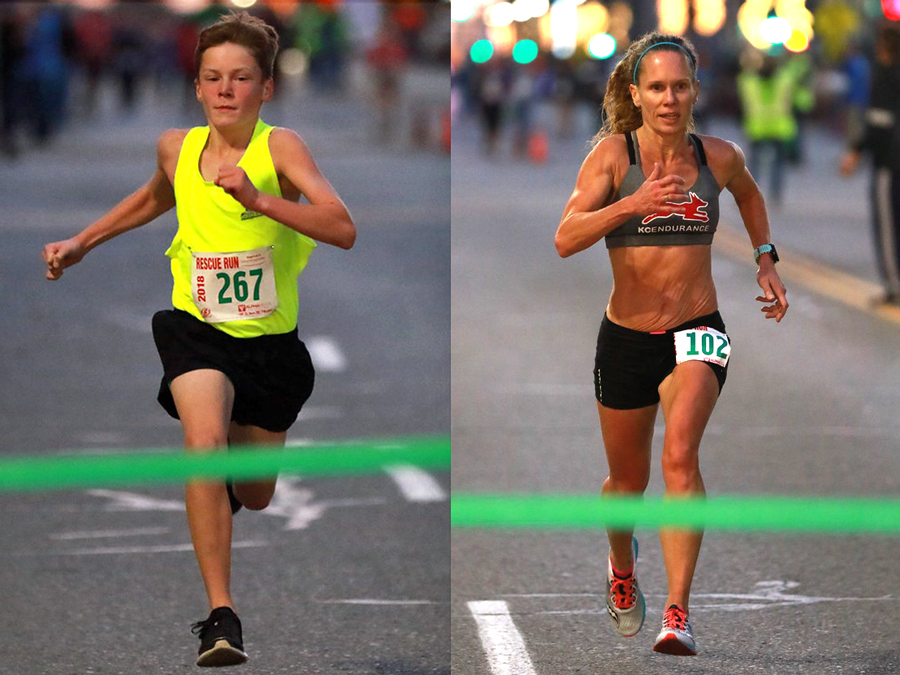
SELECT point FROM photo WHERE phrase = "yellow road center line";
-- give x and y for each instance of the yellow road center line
(812, 274)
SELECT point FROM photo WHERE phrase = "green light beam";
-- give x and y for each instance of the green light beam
(26, 473)
(769, 513)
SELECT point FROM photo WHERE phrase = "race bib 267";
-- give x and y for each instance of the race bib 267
(234, 286)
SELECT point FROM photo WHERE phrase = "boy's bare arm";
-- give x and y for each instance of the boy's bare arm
(324, 219)
(145, 204)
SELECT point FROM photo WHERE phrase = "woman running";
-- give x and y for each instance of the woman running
(651, 188)
(235, 371)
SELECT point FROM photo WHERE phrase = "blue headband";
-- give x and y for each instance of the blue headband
(657, 44)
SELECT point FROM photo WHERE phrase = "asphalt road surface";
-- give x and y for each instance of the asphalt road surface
(810, 408)
(340, 576)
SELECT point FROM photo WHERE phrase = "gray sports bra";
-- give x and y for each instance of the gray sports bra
(696, 226)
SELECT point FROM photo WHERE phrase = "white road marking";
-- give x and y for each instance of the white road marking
(110, 534)
(505, 647)
(415, 484)
(90, 452)
(297, 504)
(139, 322)
(770, 594)
(290, 501)
(552, 595)
(298, 442)
(806, 431)
(774, 593)
(368, 601)
(544, 389)
(113, 438)
(294, 503)
(502, 642)
(327, 357)
(175, 548)
(321, 412)
(130, 501)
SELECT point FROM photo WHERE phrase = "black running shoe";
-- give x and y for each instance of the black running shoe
(235, 504)
(221, 643)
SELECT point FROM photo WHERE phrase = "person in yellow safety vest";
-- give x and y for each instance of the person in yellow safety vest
(800, 65)
(767, 100)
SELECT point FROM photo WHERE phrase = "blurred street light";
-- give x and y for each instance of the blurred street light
(481, 51)
(462, 10)
(775, 30)
(602, 46)
(525, 51)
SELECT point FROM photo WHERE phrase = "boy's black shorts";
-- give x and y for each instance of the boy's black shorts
(272, 375)
(630, 364)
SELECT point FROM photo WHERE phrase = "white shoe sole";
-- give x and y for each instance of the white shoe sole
(221, 654)
(668, 642)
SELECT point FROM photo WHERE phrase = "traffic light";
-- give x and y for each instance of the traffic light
(891, 9)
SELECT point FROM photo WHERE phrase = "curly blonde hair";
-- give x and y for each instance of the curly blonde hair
(620, 113)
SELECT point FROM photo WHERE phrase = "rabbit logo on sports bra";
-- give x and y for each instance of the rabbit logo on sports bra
(695, 210)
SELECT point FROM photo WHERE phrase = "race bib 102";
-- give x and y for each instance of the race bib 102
(702, 344)
(234, 286)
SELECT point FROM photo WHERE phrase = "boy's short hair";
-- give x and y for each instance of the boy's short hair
(245, 30)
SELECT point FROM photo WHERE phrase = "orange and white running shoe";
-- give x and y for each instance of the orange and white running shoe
(676, 637)
(624, 600)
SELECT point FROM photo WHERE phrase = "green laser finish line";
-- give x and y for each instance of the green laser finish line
(19, 474)
(576, 512)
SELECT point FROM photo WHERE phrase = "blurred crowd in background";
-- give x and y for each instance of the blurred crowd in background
(58, 59)
(528, 70)
(529, 76)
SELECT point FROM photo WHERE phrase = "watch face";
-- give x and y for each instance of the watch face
(766, 248)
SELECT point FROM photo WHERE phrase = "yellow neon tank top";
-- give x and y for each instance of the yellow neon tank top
(211, 221)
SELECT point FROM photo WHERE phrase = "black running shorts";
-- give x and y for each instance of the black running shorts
(272, 375)
(630, 364)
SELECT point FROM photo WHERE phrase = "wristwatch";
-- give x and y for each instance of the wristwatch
(765, 248)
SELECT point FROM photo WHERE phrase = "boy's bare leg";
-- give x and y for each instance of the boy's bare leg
(204, 399)
(255, 495)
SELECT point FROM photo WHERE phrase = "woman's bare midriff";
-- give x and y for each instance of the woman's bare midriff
(660, 287)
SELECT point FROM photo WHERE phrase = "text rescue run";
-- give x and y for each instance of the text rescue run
(218, 263)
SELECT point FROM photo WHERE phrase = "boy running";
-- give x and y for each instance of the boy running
(235, 371)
